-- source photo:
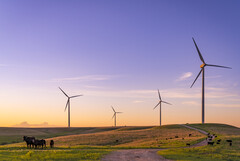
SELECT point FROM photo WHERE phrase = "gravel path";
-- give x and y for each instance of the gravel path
(135, 155)
(146, 154)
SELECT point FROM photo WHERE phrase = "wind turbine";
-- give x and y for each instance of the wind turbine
(68, 104)
(160, 103)
(115, 116)
(202, 71)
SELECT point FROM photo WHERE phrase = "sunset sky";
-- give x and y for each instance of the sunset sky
(118, 53)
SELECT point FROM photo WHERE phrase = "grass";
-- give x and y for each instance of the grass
(217, 152)
(52, 154)
(10, 135)
(152, 137)
(91, 143)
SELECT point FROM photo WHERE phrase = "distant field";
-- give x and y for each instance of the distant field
(14, 135)
(92, 143)
(217, 152)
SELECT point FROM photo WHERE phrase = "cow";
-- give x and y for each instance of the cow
(51, 143)
(29, 140)
(210, 143)
(40, 143)
(188, 144)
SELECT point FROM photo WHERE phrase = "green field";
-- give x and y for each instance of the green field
(91, 143)
(217, 152)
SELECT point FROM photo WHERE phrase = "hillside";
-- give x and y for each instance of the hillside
(14, 135)
(140, 137)
(217, 152)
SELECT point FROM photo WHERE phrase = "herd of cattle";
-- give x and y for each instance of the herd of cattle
(32, 142)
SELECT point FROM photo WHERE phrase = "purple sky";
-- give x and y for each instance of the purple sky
(94, 47)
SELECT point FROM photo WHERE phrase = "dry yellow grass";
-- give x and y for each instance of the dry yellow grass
(133, 137)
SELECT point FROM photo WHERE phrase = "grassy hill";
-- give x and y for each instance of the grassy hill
(217, 152)
(14, 135)
(92, 143)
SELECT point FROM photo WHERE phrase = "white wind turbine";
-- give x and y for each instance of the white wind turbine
(68, 104)
(202, 71)
(115, 116)
(160, 103)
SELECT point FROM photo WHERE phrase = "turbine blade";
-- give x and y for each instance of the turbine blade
(113, 109)
(63, 92)
(156, 105)
(199, 53)
(66, 105)
(196, 78)
(76, 96)
(166, 102)
(218, 66)
(119, 112)
(159, 95)
(113, 115)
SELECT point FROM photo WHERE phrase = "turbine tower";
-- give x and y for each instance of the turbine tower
(115, 116)
(68, 105)
(202, 71)
(160, 103)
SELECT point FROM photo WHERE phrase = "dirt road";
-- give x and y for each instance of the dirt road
(135, 155)
(146, 154)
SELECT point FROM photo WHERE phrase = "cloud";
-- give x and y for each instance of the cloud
(3, 65)
(225, 105)
(86, 78)
(184, 76)
(137, 101)
(26, 124)
(193, 103)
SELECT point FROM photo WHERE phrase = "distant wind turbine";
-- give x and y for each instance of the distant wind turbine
(160, 103)
(68, 104)
(115, 116)
(202, 71)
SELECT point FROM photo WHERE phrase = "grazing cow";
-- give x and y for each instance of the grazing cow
(210, 143)
(51, 143)
(116, 141)
(229, 141)
(188, 144)
(29, 140)
(182, 138)
(166, 138)
(40, 143)
(189, 135)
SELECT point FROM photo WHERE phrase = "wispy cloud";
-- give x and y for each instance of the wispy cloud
(3, 65)
(225, 105)
(184, 76)
(138, 101)
(26, 124)
(86, 78)
(193, 103)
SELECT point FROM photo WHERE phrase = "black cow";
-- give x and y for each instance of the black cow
(51, 143)
(40, 143)
(210, 143)
(188, 144)
(29, 140)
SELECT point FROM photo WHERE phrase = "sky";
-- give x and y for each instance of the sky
(118, 53)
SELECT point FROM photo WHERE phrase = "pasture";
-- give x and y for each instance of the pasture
(217, 152)
(94, 143)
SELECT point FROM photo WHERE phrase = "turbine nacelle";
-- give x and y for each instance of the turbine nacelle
(203, 65)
